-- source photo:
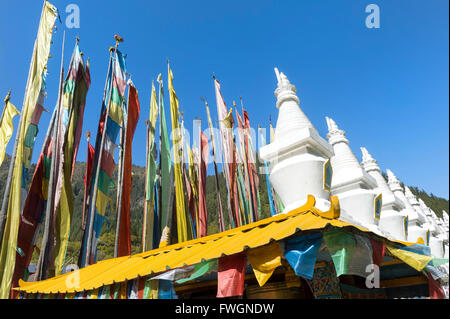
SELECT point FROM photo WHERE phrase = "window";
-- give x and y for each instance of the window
(328, 174)
(405, 225)
(378, 204)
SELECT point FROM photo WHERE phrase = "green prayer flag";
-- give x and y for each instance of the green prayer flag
(436, 262)
(341, 246)
(200, 270)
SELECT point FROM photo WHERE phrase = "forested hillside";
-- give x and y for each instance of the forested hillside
(106, 245)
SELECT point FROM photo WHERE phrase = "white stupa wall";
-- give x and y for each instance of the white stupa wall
(392, 220)
(415, 231)
(415, 204)
(350, 183)
(298, 154)
(437, 238)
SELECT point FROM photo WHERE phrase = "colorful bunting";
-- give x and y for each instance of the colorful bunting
(231, 275)
(264, 261)
(301, 253)
(341, 246)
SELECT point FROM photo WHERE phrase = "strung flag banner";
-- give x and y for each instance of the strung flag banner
(200, 270)
(264, 261)
(413, 259)
(301, 253)
(361, 258)
(378, 251)
(341, 246)
(231, 275)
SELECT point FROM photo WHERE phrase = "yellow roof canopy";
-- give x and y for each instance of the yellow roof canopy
(230, 242)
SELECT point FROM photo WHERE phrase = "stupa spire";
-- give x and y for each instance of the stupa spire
(298, 154)
(393, 182)
(290, 118)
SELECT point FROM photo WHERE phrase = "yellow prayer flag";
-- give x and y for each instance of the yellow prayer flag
(6, 128)
(179, 193)
(272, 134)
(153, 116)
(417, 261)
(264, 261)
(34, 85)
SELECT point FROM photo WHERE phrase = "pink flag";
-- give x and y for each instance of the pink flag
(203, 214)
(231, 275)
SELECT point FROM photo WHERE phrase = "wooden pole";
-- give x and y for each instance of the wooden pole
(41, 271)
(159, 185)
(144, 219)
(123, 135)
(83, 221)
(219, 200)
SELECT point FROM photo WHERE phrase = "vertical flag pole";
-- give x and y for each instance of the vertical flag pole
(41, 271)
(120, 177)
(219, 200)
(144, 219)
(97, 173)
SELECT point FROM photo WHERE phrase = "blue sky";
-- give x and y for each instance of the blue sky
(387, 87)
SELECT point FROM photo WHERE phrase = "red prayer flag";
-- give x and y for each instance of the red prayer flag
(141, 287)
(231, 275)
(87, 180)
(378, 250)
(435, 290)
(124, 248)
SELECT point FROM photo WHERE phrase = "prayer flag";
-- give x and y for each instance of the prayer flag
(264, 261)
(24, 148)
(203, 214)
(231, 275)
(182, 230)
(124, 248)
(301, 253)
(6, 127)
(341, 246)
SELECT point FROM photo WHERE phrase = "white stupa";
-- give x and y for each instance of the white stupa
(436, 241)
(298, 156)
(351, 184)
(392, 220)
(415, 204)
(415, 230)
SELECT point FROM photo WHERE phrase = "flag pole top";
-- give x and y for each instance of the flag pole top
(77, 39)
(88, 136)
(118, 39)
(204, 100)
(7, 96)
